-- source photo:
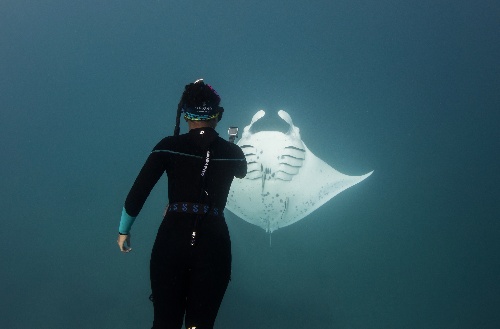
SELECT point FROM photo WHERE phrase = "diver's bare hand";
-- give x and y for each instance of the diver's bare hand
(124, 242)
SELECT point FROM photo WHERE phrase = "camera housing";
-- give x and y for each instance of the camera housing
(233, 133)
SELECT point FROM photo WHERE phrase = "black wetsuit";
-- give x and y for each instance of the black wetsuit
(187, 279)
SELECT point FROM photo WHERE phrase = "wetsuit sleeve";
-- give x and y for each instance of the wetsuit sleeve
(126, 222)
(144, 183)
(241, 169)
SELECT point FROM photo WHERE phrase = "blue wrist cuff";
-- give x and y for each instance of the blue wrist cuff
(126, 222)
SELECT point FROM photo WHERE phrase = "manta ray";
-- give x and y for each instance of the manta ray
(285, 181)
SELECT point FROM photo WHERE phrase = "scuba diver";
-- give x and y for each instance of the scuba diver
(190, 265)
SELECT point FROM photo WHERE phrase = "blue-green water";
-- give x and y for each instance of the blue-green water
(410, 89)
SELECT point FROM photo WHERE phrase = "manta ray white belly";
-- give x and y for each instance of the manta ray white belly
(285, 181)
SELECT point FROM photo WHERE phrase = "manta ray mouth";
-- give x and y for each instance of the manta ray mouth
(272, 155)
(271, 123)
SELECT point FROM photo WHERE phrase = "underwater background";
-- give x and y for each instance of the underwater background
(409, 89)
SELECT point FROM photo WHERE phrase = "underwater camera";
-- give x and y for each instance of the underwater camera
(233, 133)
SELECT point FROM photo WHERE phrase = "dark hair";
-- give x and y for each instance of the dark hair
(198, 95)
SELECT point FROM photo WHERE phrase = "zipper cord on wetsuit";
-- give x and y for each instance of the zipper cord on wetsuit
(203, 196)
